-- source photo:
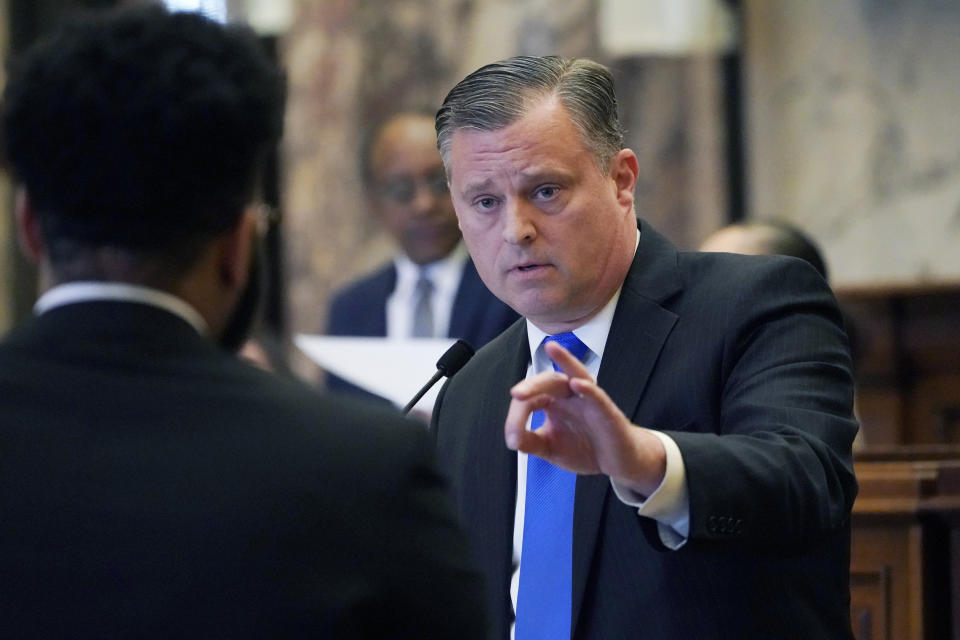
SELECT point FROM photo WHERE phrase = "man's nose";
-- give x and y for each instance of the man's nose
(518, 222)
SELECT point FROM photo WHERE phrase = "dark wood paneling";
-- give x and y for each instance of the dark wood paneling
(907, 343)
(905, 548)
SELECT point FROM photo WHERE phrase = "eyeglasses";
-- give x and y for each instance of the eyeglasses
(404, 190)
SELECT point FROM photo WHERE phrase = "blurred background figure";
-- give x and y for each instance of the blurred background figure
(430, 289)
(764, 238)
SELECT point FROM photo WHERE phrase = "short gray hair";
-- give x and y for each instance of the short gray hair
(496, 95)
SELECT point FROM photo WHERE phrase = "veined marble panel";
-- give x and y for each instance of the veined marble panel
(854, 128)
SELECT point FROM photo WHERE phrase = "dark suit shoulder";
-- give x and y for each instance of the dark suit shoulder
(495, 359)
(749, 289)
(368, 440)
(358, 308)
(736, 269)
(478, 392)
(380, 280)
(336, 509)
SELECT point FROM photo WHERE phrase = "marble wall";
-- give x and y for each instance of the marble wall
(852, 127)
(854, 131)
(351, 62)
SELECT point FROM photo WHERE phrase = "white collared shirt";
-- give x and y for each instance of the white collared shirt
(445, 275)
(74, 292)
(668, 504)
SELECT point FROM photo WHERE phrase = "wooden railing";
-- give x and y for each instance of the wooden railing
(905, 548)
(905, 551)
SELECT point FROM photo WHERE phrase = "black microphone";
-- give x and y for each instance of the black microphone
(449, 363)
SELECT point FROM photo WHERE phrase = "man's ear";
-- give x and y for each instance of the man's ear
(29, 232)
(624, 169)
(236, 250)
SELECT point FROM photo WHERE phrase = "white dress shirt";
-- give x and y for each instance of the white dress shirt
(668, 504)
(445, 276)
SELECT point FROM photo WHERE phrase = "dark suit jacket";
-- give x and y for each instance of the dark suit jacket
(361, 310)
(152, 485)
(743, 361)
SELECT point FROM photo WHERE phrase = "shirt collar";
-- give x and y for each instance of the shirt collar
(75, 292)
(592, 333)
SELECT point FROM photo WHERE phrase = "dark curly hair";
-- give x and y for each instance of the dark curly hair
(141, 129)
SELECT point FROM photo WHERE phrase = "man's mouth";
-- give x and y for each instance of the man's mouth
(530, 267)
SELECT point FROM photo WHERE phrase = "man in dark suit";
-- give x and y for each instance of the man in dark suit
(431, 288)
(686, 471)
(152, 484)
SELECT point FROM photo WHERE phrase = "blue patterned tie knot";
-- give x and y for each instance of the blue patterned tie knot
(571, 343)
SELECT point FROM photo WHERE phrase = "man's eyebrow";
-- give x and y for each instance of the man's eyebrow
(527, 180)
(538, 176)
(476, 188)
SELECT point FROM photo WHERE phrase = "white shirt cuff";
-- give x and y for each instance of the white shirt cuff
(669, 504)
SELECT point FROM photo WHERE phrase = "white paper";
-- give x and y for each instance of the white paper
(392, 368)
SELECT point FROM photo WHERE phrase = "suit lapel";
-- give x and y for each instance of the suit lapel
(490, 469)
(637, 334)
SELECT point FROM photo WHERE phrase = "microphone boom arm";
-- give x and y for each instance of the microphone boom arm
(449, 363)
(423, 390)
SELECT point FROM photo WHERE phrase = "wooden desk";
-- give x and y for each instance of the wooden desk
(905, 550)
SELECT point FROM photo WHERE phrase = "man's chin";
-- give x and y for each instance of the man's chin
(552, 314)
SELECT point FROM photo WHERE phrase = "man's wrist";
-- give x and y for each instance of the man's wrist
(644, 465)
(668, 504)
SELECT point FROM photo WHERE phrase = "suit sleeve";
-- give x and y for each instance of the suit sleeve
(777, 468)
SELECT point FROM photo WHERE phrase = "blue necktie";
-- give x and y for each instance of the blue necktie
(545, 594)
